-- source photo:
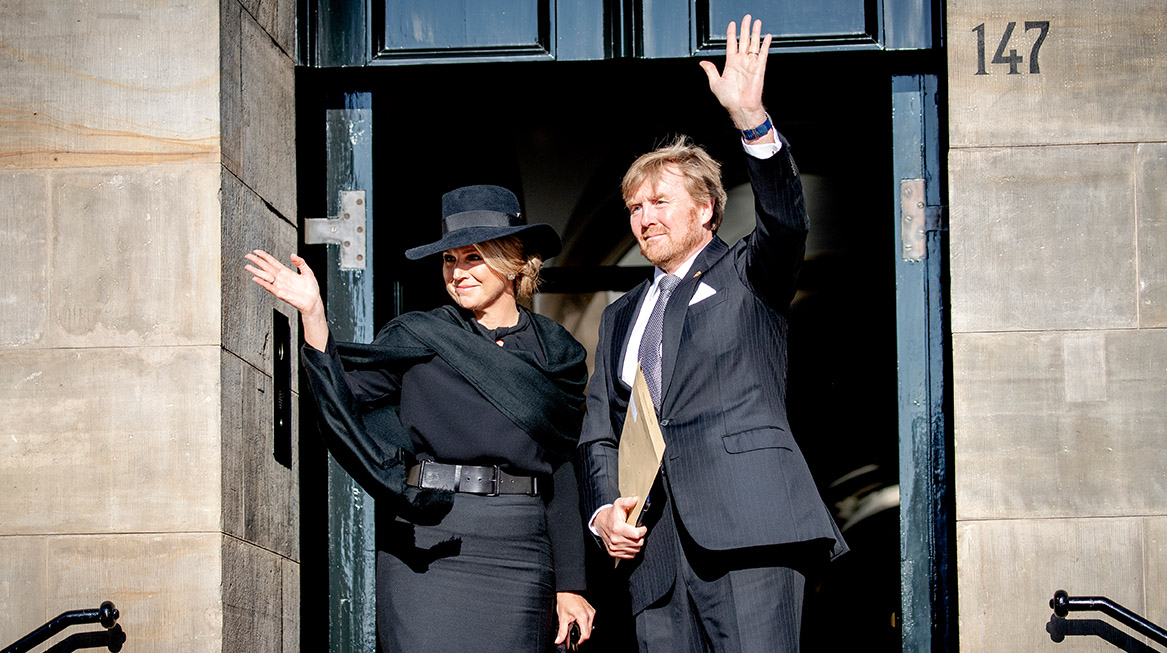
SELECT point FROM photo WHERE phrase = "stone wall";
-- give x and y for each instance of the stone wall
(1058, 196)
(260, 498)
(144, 146)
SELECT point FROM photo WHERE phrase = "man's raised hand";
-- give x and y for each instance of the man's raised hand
(739, 86)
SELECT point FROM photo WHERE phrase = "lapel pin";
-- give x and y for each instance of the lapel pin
(697, 274)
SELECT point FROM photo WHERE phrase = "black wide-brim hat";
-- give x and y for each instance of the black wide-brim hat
(475, 214)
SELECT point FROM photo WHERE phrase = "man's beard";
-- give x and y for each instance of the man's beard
(676, 252)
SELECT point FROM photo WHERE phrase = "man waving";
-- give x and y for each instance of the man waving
(735, 520)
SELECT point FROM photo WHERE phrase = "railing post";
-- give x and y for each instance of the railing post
(107, 615)
(1062, 604)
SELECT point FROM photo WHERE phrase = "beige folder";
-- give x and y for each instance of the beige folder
(641, 447)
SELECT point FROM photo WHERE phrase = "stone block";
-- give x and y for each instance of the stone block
(135, 257)
(1060, 424)
(293, 612)
(1151, 200)
(231, 434)
(1101, 73)
(23, 599)
(231, 85)
(1043, 238)
(24, 257)
(248, 224)
(122, 440)
(271, 508)
(260, 493)
(269, 119)
(253, 584)
(277, 18)
(1156, 570)
(113, 102)
(1009, 570)
(166, 587)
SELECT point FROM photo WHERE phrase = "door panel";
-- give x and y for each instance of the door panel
(462, 29)
(395, 32)
(793, 22)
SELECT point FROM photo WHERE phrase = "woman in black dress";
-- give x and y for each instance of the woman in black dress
(462, 422)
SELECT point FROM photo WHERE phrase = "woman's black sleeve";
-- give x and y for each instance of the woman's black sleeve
(566, 530)
(375, 465)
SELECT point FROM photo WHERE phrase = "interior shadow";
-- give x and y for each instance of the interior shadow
(561, 136)
(1059, 628)
(111, 640)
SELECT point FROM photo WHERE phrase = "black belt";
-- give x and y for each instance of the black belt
(472, 479)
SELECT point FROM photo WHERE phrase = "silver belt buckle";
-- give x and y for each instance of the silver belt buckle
(429, 476)
(420, 480)
(495, 481)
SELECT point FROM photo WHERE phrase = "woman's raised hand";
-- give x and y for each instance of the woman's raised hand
(298, 288)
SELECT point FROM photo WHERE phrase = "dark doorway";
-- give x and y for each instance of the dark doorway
(561, 135)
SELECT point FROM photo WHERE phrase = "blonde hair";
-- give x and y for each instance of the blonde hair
(701, 172)
(505, 256)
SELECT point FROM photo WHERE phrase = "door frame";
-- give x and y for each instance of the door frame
(927, 515)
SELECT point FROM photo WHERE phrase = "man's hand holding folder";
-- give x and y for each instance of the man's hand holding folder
(642, 448)
(621, 538)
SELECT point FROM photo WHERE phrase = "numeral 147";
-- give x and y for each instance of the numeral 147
(1013, 59)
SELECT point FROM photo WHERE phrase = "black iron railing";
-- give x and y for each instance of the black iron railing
(1063, 604)
(107, 615)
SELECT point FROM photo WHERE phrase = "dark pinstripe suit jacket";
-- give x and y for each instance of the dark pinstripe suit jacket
(734, 471)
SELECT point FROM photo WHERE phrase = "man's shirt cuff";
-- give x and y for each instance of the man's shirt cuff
(762, 150)
(592, 521)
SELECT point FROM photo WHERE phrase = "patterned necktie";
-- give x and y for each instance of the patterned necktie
(650, 343)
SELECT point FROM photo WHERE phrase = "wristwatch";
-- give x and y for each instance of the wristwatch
(759, 131)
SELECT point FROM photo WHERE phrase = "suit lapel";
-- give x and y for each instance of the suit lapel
(674, 320)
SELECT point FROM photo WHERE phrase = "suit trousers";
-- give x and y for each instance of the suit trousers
(734, 601)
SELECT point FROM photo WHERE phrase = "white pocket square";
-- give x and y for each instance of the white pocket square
(704, 291)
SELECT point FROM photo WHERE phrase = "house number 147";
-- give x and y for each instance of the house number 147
(1013, 59)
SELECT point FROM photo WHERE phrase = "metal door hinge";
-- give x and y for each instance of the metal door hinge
(917, 218)
(347, 230)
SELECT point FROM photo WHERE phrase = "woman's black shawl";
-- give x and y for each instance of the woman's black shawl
(369, 441)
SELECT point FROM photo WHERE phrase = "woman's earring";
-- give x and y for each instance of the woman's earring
(510, 277)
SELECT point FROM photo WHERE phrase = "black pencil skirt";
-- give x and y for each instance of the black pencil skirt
(481, 580)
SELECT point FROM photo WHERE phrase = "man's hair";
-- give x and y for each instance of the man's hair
(505, 256)
(702, 174)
